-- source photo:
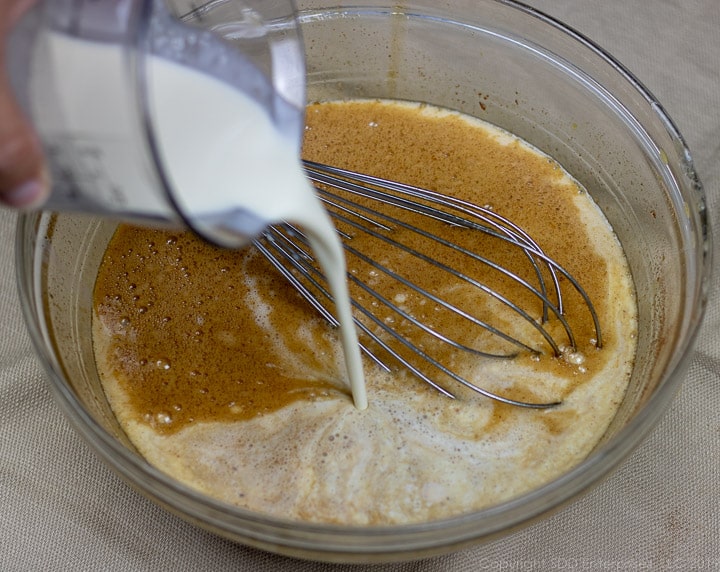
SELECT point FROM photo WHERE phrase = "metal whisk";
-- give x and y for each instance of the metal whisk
(423, 286)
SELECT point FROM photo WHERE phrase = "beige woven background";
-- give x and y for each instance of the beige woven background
(61, 509)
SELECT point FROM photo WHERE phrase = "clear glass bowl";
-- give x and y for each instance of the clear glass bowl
(507, 64)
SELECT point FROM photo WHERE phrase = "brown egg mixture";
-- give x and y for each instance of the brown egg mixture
(224, 377)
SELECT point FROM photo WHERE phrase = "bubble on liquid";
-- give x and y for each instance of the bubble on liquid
(574, 357)
(163, 418)
(235, 407)
(163, 364)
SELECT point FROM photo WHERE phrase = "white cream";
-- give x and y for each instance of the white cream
(235, 157)
(219, 148)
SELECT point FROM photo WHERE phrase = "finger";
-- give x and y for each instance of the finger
(11, 11)
(23, 179)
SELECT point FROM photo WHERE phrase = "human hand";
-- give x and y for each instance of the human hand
(23, 178)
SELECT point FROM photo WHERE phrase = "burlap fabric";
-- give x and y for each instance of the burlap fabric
(61, 509)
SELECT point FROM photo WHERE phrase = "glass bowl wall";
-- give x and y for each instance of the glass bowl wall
(501, 62)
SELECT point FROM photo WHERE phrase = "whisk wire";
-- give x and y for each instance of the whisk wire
(541, 294)
(307, 273)
(270, 246)
(288, 250)
(498, 226)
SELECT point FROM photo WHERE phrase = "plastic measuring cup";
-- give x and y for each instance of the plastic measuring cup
(83, 70)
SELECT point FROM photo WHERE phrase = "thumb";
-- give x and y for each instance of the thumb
(23, 178)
